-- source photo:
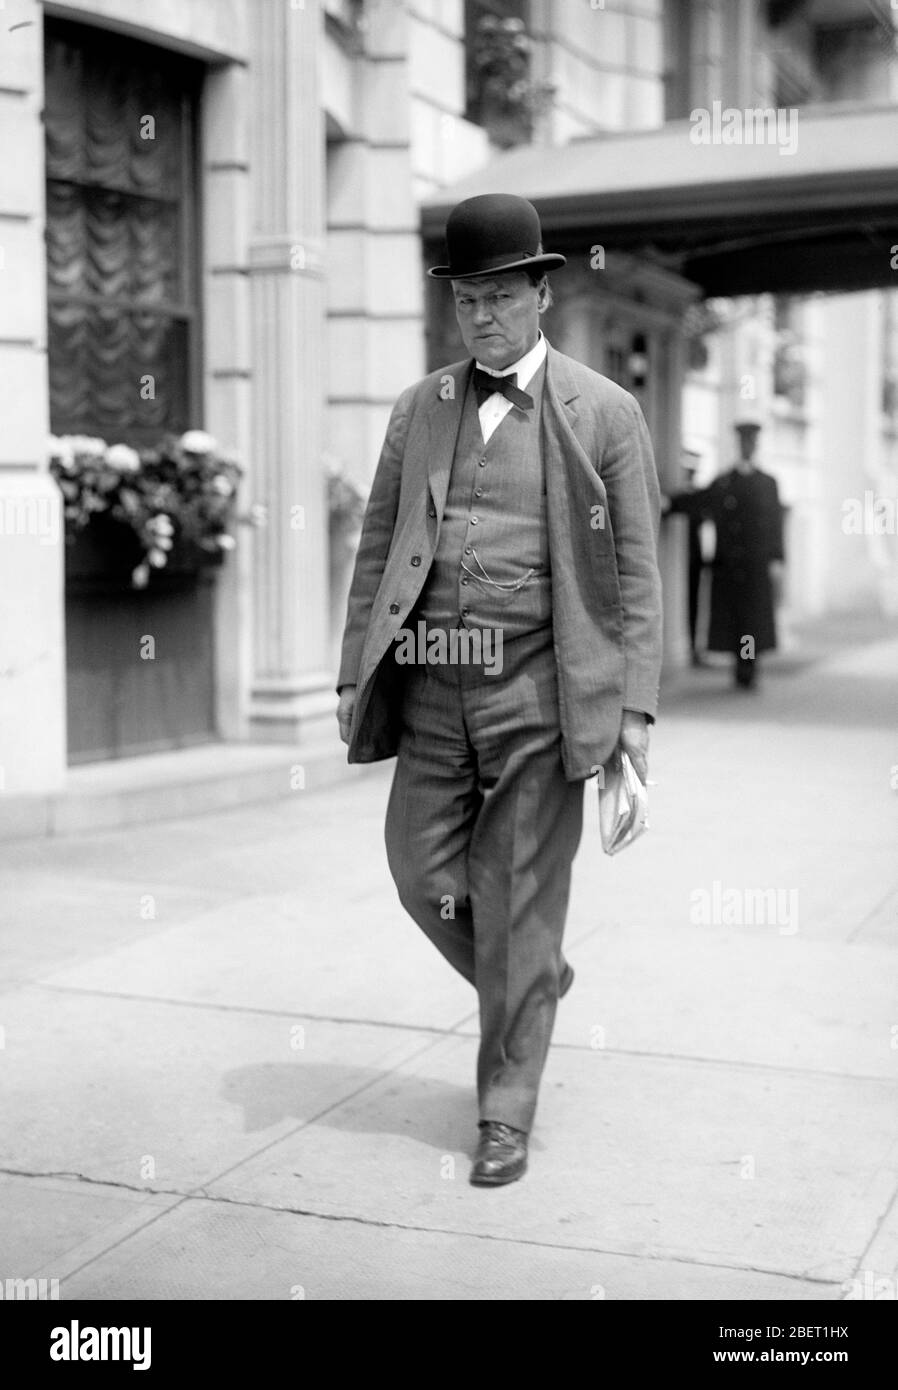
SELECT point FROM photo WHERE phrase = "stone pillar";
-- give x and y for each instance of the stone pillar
(32, 614)
(228, 362)
(291, 686)
(861, 565)
(673, 543)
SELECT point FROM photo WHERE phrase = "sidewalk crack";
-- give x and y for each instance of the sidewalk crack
(201, 1194)
(71, 1174)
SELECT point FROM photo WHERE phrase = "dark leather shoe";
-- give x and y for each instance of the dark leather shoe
(567, 979)
(501, 1155)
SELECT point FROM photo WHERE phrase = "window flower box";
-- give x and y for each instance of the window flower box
(131, 516)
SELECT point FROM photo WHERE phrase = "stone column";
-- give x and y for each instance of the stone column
(673, 545)
(32, 614)
(228, 362)
(291, 686)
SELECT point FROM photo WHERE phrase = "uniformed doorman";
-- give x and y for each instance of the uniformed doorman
(744, 505)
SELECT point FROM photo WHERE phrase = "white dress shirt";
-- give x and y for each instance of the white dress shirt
(495, 408)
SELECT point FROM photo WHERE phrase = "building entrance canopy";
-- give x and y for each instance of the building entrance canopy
(807, 201)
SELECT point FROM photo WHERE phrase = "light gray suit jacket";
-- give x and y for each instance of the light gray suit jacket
(603, 516)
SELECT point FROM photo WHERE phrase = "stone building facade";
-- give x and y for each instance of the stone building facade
(313, 133)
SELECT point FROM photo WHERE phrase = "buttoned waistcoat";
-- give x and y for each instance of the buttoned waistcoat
(494, 526)
(602, 507)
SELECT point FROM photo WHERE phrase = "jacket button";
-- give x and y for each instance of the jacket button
(416, 559)
(394, 607)
(473, 521)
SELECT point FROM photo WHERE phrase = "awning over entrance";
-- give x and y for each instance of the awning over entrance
(736, 218)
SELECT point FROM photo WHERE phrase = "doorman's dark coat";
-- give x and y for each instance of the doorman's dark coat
(603, 510)
(747, 516)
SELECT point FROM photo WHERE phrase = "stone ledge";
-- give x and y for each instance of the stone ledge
(182, 782)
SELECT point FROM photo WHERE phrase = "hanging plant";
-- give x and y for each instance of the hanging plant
(504, 96)
(346, 501)
(701, 321)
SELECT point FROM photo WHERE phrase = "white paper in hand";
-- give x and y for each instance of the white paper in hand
(623, 804)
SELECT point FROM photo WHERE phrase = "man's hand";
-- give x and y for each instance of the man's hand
(634, 738)
(344, 711)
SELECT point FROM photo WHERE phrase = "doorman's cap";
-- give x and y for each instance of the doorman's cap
(491, 233)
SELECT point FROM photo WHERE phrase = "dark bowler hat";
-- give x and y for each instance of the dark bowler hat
(490, 233)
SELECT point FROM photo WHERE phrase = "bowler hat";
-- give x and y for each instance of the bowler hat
(491, 233)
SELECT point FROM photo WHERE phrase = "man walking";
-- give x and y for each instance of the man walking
(515, 497)
(745, 507)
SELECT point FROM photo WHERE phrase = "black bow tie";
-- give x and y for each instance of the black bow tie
(486, 385)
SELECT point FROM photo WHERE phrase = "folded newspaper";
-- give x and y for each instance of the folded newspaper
(623, 803)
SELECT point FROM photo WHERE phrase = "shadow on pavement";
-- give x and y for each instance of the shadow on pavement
(425, 1109)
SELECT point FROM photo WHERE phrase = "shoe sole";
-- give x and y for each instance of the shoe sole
(497, 1182)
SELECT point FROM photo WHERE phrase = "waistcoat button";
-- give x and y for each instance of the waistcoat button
(394, 607)
(416, 559)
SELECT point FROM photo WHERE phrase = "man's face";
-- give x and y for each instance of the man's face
(498, 317)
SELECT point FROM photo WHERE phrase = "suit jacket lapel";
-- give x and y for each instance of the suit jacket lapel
(567, 461)
(573, 485)
(443, 420)
(560, 382)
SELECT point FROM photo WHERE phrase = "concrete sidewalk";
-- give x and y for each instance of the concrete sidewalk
(232, 1068)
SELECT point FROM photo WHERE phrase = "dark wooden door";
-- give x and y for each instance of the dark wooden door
(127, 694)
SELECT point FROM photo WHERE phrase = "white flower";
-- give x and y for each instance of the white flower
(140, 577)
(197, 442)
(60, 451)
(87, 446)
(226, 542)
(123, 458)
(157, 558)
(161, 524)
(222, 485)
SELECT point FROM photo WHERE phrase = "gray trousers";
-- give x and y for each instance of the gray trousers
(481, 831)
